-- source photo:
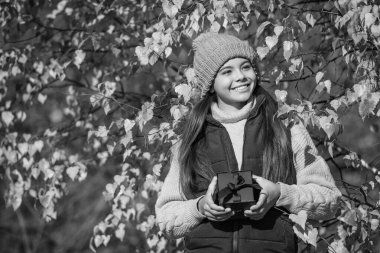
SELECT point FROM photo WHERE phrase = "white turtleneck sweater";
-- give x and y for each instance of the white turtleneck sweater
(314, 192)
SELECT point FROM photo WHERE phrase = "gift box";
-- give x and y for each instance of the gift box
(237, 190)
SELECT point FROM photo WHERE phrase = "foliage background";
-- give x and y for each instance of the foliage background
(93, 93)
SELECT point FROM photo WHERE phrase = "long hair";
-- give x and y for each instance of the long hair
(190, 161)
(277, 156)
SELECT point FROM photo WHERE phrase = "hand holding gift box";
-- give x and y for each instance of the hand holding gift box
(237, 190)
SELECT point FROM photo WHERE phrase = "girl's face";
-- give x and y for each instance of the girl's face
(234, 84)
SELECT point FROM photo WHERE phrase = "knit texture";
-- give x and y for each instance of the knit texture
(224, 117)
(315, 191)
(212, 50)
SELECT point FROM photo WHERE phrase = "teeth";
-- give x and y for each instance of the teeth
(240, 88)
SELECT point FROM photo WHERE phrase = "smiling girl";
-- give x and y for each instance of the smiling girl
(234, 128)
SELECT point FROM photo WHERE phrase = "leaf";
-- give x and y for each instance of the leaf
(232, 3)
(128, 125)
(327, 126)
(41, 98)
(262, 52)
(184, 90)
(38, 145)
(280, 76)
(7, 117)
(22, 59)
(120, 231)
(72, 172)
(45, 198)
(98, 240)
(369, 19)
(281, 95)
(190, 75)
(295, 64)
(288, 48)
(215, 27)
(321, 86)
(101, 132)
(349, 217)
(261, 28)
(157, 169)
(145, 114)
(106, 106)
(302, 25)
(142, 54)
(23, 148)
(271, 41)
(109, 88)
(299, 218)
(127, 138)
(283, 109)
(278, 30)
(337, 246)
(79, 56)
(178, 111)
(375, 30)
(95, 99)
(310, 19)
(168, 51)
(312, 237)
(115, 51)
(169, 9)
(366, 107)
(330, 146)
(319, 76)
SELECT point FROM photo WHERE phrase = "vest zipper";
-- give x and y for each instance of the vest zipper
(244, 143)
(235, 238)
(235, 233)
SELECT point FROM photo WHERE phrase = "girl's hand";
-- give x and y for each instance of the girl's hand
(209, 209)
(269, 195)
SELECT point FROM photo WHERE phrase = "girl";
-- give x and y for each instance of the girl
(234, 127)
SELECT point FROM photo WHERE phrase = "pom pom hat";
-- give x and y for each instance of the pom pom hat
(212, 50)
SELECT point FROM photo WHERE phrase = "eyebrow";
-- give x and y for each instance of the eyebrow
(226, 67)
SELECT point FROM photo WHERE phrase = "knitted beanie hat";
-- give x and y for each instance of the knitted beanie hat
(212, 50)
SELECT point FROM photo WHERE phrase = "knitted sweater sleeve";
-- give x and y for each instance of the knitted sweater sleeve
(175, 214)
(315, 191)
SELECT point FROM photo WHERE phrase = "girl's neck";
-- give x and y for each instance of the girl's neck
(232, 116)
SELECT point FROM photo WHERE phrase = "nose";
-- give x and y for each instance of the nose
(239, 75)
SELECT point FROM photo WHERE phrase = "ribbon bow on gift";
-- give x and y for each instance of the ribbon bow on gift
(232, 189)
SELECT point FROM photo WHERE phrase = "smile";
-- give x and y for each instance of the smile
(241, 88)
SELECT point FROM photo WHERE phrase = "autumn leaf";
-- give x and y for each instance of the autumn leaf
(326, 125)
(102, 131)
(128, 125)
(41, 98)
(72, 172)
(288, 49)
(278, 30)
(310, 19)
(145, 114)
(299, 218)
(79, 57)
(318, 77)
(337, 246)
(281, 95)
(271, 41)
(262, 52)
(7, 117)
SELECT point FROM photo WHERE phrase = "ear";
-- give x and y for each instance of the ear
(212, 91)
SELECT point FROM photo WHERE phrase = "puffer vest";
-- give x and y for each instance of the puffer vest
(274, 232)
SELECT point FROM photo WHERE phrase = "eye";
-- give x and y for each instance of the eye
(247, 66)
(226, 72)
